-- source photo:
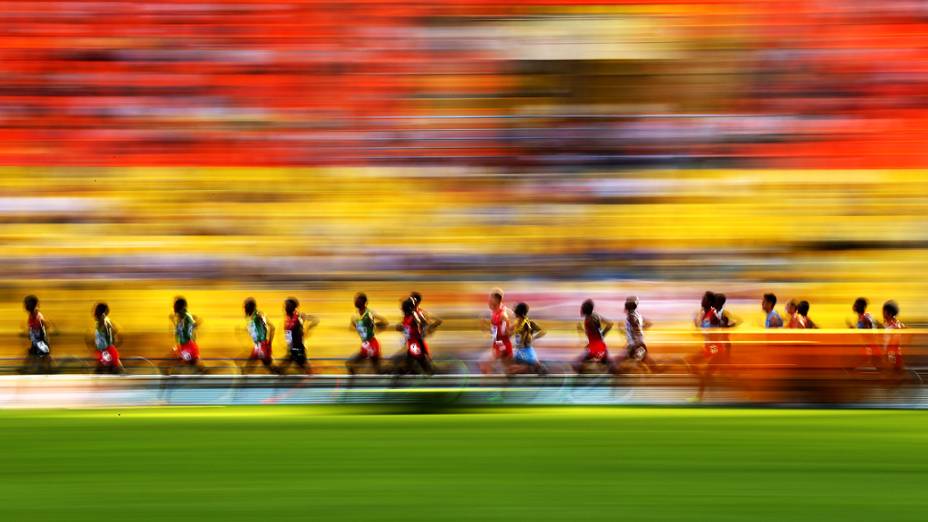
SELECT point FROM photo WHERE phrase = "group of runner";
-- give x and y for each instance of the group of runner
(512, 336)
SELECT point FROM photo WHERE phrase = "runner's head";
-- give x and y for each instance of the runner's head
(708, 299)
(100, 311)
(719, 301)
(890, 310)
(180, 305)
(631, 303)
(521, 310)
(360, 301)
(408, 306)
(769, 301)
(31, 303)
(290, 305)
(860, 305)
(496, 299)
(250, 306)
(791, 306)
(416, 298)
(803, 308)
(586, 308)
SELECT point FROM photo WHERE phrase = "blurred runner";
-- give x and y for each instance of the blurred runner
(501, 318)
(635, 348)
(105, 340)
(366, 322)
(872, 353)
(417, 357)
(429, 323)
(525, 332)
(296, 327)
(595, 327)
(892, 346)
(768, 305)
(261, 332)
(39, 356)
(793, 320)
(705, 363)
(802, 312)
(185, 326)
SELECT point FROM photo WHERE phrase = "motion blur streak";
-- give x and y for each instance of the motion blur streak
(559, 149)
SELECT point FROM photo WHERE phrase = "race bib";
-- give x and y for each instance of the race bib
(414, 349)
(258, 350)
(105, 356)
(288, 335)
(42, 346)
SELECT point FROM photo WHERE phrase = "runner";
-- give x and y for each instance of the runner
(366, 322)
(261, 332)
(595, 327)
(525, 333)
(772, 318)
(501, 318)
(105, 339)
(296, 327)
(39, 356)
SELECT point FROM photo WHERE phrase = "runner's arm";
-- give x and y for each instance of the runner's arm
(309, 322)
(380, 322)
(608, 325)
(537, 331)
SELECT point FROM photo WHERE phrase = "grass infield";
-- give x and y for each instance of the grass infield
(359, 463)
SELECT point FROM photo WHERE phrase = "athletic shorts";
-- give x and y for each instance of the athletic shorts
(40, 349)
(189, 352)
(894, 357)
(502, 348)
(370, 349)
(416, 349)
(597, 351)
(108, 357)
(261, 352)
(297, 355)
(526, 355)
(710, 350)
(637, 352)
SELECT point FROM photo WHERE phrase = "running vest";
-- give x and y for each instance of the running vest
(770, 316)
(364, 324)
(293, 331)
(103, 335)
(633, 329)
(523, 334)
(183, 330)
(257, 327)
(592, 326)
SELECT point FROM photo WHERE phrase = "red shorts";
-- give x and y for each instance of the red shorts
(597, 351)
(894, 357)
(261, 351)
(108, 357)
(502, 348)
(189, 352)
(371, 349)
(416, 349)
(711, 350)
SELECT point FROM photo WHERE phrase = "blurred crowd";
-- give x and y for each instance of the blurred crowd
(525, 84)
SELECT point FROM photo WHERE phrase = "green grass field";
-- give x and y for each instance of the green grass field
(339, 463)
